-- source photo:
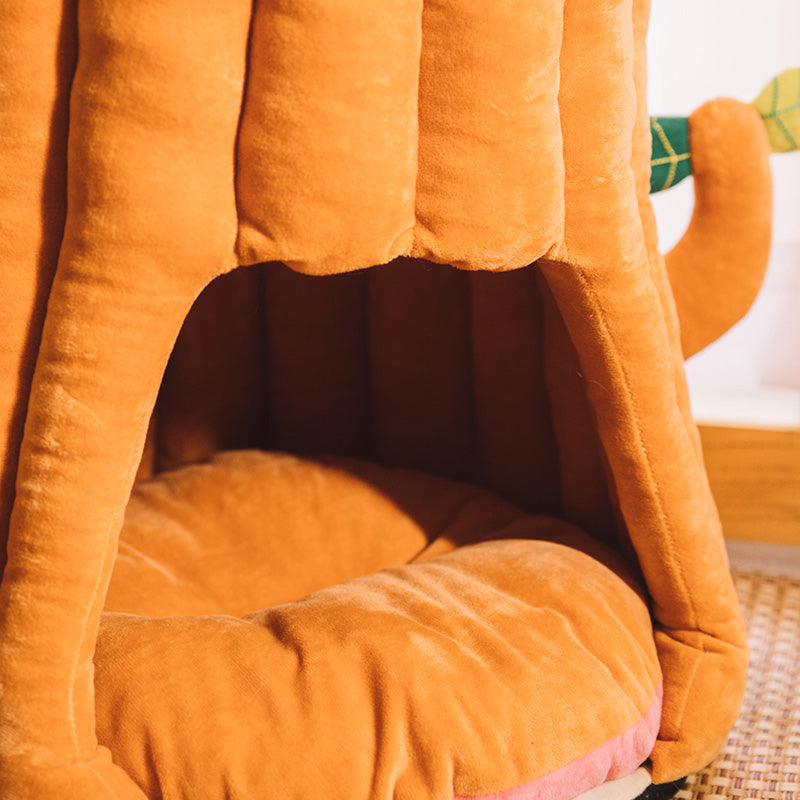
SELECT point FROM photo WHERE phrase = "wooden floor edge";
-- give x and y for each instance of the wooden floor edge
(755, 477)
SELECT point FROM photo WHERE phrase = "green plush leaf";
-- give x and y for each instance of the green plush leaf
(670, 161)
(779, 106)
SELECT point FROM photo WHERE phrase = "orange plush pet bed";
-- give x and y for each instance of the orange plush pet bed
(412, 507)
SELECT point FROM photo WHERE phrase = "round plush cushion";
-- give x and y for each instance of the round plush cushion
(278, 627)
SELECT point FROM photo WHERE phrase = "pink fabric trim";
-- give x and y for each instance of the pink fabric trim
(614, 759)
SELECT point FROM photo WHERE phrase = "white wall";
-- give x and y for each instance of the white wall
(698, 50)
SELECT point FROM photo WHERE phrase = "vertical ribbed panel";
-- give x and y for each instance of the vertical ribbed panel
(421, 368)
(614, 314)
(328, 139)
(213, 395)
(150, 218)
(598, 103)
(584, 487)
(490, 184)
(317, 362)
(512, 412)
(38, 44)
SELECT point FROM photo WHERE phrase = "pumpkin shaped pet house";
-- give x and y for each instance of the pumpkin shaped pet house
(422, 512)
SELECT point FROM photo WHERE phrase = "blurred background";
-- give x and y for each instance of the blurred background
(699, 51)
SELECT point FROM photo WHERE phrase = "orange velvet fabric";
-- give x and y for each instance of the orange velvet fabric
(726, 247)
(37, 57)
(506, 139)
(418, 637)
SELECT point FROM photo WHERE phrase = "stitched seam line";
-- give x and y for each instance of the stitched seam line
(673, 156)
(689, 684)
(73, 676)
(658, 162)
(89, 612)
(111, 793)
(776, 113)
(774, 103)
(655, 492)
(772, 113)
(786, 132)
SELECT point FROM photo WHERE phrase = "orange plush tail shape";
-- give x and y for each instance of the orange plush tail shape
(718, 266)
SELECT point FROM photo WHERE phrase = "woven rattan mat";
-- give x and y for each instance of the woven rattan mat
(762, 756)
